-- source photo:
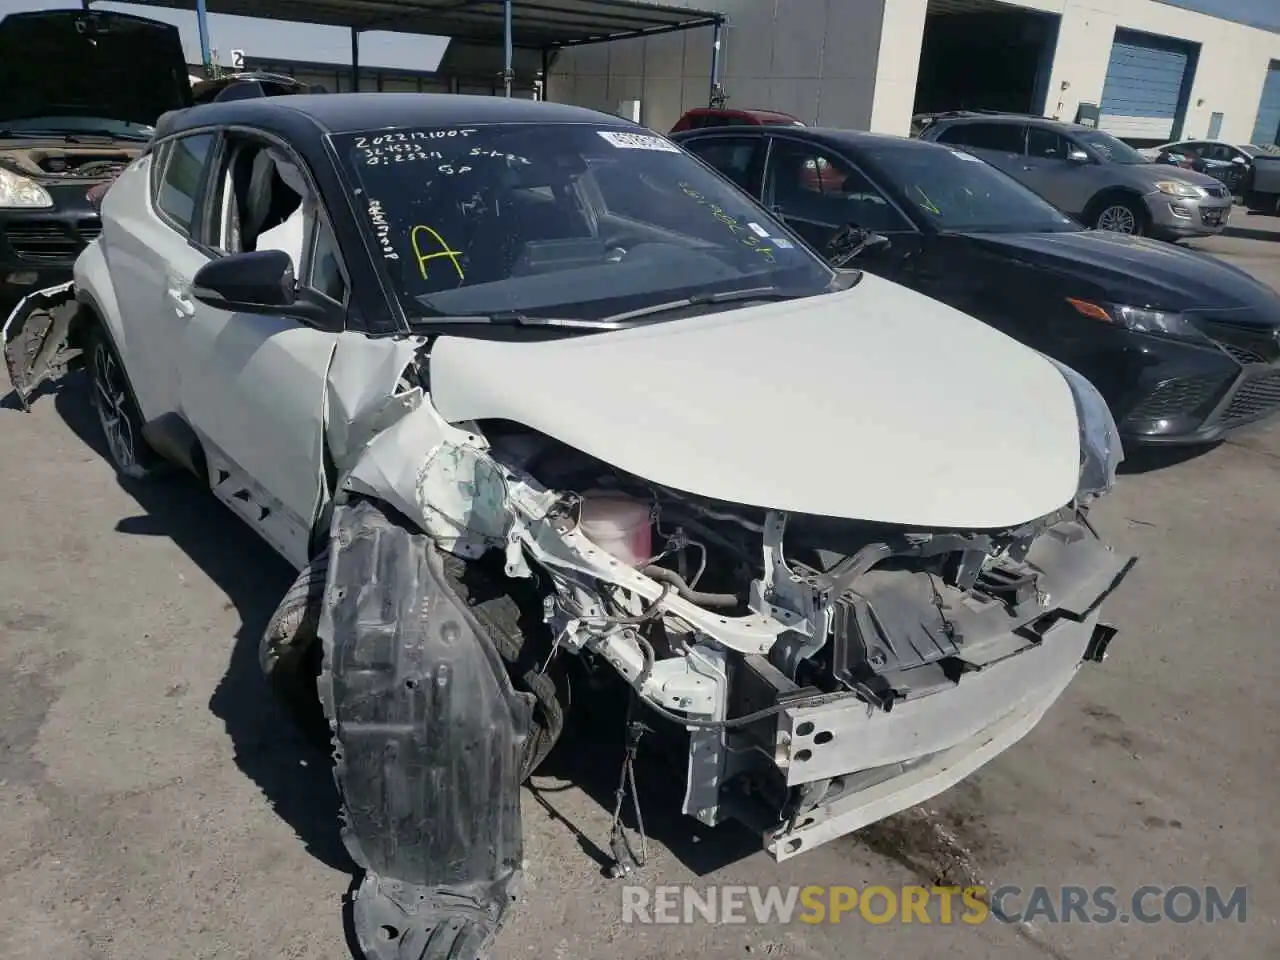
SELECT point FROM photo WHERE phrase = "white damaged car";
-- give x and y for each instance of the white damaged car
(519, 387)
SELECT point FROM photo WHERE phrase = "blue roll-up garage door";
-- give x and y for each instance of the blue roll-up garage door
(1267, 127)
(1144, 97)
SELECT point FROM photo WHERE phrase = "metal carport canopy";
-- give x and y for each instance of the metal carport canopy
(535, 24)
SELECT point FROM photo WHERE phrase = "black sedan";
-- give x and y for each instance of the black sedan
(1185, 347)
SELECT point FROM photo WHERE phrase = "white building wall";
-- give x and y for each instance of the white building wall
(853, 63)
(814, 59)
(894, 86)
(1229, 76)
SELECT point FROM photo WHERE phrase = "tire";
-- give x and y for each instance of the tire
(118, 412)
(289, 653)
(1111, 214)
(511, 613)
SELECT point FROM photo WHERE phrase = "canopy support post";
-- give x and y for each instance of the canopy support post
(507, 73)
(202, 27)
(715, 63)
(355, 59)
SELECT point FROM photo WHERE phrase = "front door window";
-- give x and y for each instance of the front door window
(819, 193)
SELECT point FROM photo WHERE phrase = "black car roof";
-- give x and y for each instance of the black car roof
(349, 112)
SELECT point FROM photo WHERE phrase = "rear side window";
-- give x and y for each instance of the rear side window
(185, 160)
(733, 158)
(1005, 137)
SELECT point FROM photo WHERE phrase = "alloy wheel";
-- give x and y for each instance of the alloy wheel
(1118, 219)
(110, 398)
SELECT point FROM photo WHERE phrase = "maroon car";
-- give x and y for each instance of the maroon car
(701, 117)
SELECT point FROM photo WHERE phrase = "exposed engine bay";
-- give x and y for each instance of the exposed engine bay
(52, 164)
(813, 661)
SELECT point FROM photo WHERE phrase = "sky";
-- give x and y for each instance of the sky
(272, 39)
(1256, 13)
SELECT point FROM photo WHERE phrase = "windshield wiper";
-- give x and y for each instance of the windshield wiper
(29, 134)
(513, 318)
(702, 299)
(134, 135)
(617, 321)
(79, 136)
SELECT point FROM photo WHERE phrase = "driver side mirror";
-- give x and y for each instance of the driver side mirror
(852, 241)
(1077, 156)
(258, 282)
(1239, 160)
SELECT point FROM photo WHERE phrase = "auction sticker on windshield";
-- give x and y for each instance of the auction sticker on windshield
(637, 141)
(965, 156)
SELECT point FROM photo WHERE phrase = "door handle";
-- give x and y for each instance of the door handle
(182, 303)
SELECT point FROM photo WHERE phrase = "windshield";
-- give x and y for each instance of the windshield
(70, 126)
(566, 220)
(958, 193)
(1108, 148)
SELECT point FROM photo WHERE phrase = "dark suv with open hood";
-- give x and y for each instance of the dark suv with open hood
(79, 94)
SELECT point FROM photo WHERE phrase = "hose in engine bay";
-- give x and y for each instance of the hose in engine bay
(671, 578)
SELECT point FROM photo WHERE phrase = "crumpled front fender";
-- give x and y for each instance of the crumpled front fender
(428, 734)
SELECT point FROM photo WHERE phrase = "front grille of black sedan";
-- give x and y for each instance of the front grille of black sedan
(50, 241)
(1255, 397)
(1172, 399)
(1246, 345)
(1216, 191)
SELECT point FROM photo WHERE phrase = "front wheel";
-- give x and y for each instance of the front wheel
(1121, 216)
(289, 652)
(118, 412)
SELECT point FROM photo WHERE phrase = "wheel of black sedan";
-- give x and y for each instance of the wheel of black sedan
(118, 412)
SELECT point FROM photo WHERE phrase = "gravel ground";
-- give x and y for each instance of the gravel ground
(154, 802)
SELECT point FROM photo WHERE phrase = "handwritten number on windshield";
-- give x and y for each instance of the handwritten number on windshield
(739, 230)
(444, 250)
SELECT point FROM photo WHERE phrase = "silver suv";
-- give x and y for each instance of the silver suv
(1099, 180)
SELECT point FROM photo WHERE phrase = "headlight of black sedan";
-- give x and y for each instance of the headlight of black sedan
(1162, 323)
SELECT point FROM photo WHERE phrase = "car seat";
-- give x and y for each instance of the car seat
(268, 201)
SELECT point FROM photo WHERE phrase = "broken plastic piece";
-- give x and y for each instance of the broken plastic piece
(1096, 651)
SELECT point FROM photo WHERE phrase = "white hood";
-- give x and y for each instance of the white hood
(876, 403)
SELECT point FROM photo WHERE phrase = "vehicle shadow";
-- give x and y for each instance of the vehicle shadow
(1141, 460)
(1252, 233)
(589, 758)
(293, 770)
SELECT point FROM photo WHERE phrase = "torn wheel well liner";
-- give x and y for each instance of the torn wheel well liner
(429, 732)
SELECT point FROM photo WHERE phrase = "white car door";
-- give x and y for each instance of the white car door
(147, 220)
(253, 387)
